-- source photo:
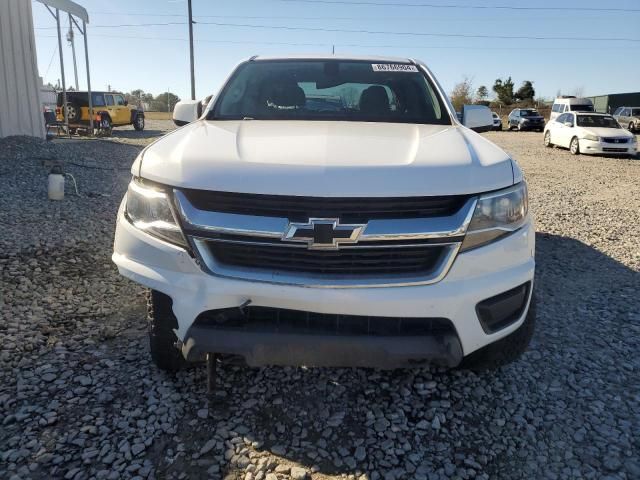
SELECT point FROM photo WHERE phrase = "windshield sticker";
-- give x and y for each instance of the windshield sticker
(393, 67)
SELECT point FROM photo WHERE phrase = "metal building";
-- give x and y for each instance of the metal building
(20, 112)
(609, 103)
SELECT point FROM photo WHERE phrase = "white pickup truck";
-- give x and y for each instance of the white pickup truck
(330, 211)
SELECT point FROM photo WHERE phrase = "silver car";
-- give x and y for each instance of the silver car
(628, 117)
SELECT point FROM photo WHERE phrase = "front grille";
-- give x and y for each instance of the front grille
(347, 209)
(614, 150)
(421, 259)
(615, 140)
(277, 320)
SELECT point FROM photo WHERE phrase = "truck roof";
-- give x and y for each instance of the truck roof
(573, 100)
(372, 58)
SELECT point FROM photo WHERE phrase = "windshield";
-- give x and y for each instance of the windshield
(330, 90)
(597, 121)
(529, 113)
(581, 108)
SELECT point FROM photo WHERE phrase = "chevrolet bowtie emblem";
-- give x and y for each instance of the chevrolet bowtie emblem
(323, 233)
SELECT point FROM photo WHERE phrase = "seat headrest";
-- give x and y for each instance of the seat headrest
(374, 100)
(287, 94)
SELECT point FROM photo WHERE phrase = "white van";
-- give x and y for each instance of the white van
(570, 104)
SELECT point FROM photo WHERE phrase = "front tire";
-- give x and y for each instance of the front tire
(547, 139)
(574, 146)
(507, 349)
(138, 123)
(106, 127)
(162, 340)
(631, 127)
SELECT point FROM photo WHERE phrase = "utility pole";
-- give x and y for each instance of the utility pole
(193, 77)
(73, 51)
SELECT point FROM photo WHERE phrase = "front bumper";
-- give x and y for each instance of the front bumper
(475, 276)
(604, 148)
(532, 126)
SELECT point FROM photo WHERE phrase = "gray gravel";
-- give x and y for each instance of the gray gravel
(79, 397)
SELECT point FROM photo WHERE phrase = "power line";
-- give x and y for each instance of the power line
(420, 34)
(324, 18)
(125, 25)
(329, 44)
(51, 60)
(476, 7)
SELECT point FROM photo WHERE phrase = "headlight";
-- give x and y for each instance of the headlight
(148, 209)
(497, 214)
(593, 138)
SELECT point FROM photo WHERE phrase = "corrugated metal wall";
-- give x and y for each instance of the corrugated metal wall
(609, 103)
(20, 112)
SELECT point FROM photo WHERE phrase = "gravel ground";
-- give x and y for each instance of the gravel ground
(80, 399)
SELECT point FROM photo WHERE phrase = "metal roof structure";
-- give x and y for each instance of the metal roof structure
(74, 11)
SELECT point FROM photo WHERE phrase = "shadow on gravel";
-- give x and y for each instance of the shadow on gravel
(136, 135)
(569, 407)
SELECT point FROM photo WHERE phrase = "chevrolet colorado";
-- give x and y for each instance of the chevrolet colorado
(330, 211)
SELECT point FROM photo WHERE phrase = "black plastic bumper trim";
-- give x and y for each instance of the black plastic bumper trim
(260, 349)
(500, 311)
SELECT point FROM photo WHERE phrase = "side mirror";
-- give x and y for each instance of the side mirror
(568, 124)
(477, 118)
(186, 111)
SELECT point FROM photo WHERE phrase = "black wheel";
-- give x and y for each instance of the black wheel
(547, 139)
(138, 123)
(73, 112)
(106, 127)
(505, 350)
(519, 128)
(162, 341)
(574, 146)
(631, 128)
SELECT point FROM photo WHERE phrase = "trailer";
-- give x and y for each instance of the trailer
(609, 103)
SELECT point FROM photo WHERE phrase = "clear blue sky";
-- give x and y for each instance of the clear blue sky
(156, 58)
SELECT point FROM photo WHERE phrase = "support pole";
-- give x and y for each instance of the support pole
(64, 85)
(193, 76)
(73, 51)
(86, 59)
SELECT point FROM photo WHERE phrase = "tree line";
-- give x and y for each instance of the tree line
(464, 93)
(162, 102)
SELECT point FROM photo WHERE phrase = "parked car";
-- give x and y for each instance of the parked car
(628, 117)
(570, 104)
(590, 133)
(381, 233)
(111, 109)
(525, 119)
(497, 121)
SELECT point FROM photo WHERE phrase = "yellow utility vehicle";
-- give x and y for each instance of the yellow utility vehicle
(110, 109)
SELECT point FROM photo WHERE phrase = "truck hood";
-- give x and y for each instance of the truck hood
(349, 159)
